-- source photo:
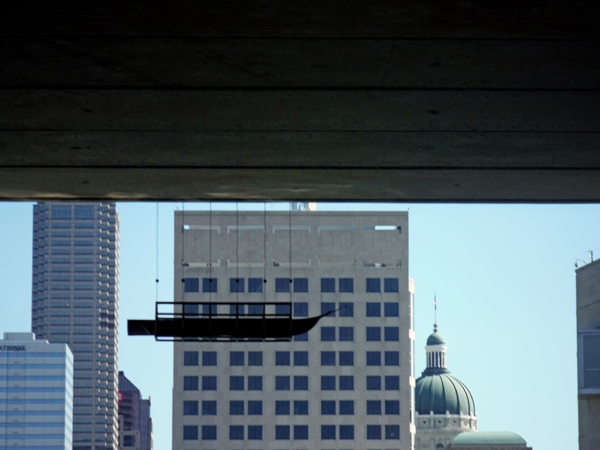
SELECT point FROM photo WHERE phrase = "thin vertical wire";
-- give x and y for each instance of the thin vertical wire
(157, 251)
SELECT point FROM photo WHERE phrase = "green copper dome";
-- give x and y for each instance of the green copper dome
(488, 437)
(441, 392)
(436, 339)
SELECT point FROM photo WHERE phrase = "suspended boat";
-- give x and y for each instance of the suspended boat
(186, 323)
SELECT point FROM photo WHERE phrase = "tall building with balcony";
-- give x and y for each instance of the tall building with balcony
(36, 389)
(346, 384)
(135, 423)
(75, 301)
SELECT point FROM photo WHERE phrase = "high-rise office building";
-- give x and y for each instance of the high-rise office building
(36, 387)
(76, 302)
(346, 384)
(588, 354)
(135, 423)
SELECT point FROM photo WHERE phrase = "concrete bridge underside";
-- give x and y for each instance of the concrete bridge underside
(269, 100)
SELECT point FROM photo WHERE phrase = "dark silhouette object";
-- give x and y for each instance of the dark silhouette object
(203, 321)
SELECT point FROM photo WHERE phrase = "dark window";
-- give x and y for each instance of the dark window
(390, 285)
(191, 285)
(300, 309)
(373, 383)
(237, 309)
(373, 334)
(236, 432)
(301, 358)
(84, 212)
(209, 284)
(346, 285)
(346, 431)
(392, 431)
(190, 358)
(300, 284)
(300, 383)
(255, 407)
(209, 309)
(61, 212)
(236, 383)
(374, 407)
(282, 407)
(327, 407)
(346, 309)
(190, 383)
(327, 431)
(392, 334)
(391, 309)
(300, 432)
(346, 383)
(301, 337)
(236, 408)
(190, 433)
(327, 307)
(128, 441)
(282, 285)
(374, 285)
(255, 383)
(373, 309)
(327, 284)
(346, 358)
(282, 358)
(301, 407)
(236, 358)
(346, 334)
(327, 383)
(392, 383)
(374, 432)
(255, 309)
(255, 432)
(392, 407)
(282, 309)
(327, 334)
(282, 432)
(255, 285)
(255, 358)
(328, 358)
(209, 408)
(209, 358)
(373, 358)
(209, 432)
(209, 383)
(282, 383)
(392, 358)
(237, 285)
(190, 408)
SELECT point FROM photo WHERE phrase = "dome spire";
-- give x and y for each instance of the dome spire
(436, 353)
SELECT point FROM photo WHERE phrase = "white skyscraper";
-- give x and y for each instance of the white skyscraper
(346, 384)
(36, 387)
(76, 302)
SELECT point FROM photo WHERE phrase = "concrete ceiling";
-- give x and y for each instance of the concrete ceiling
(294, 100)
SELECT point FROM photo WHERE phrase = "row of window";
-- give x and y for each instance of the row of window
(286, 358)
(283, 285)
(287, 383)
(283, 432)
(287, 407)
(300, 309)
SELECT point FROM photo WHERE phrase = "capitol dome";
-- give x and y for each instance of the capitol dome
(438, 392)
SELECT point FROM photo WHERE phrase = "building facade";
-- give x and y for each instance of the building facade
(346, 384)
(135, 423)
(75, 298)
(588, 354)
(36, 387)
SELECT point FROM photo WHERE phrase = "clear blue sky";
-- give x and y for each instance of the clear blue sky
(505, 284)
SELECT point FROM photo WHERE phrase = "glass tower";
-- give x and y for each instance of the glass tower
(76, 302)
